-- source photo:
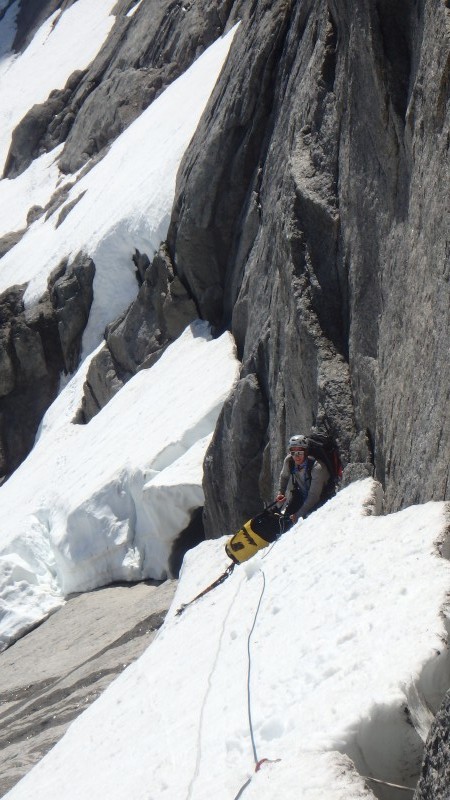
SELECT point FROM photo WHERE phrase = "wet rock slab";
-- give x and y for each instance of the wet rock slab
(51, 675)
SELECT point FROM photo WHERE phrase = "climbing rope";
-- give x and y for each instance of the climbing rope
(209, 588)
(258, 762)
(208, 691)
(386, 783)
(249, 705)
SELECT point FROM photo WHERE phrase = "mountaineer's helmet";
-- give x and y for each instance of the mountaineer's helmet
(298, 441)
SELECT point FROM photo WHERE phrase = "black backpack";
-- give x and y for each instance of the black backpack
(322, 446)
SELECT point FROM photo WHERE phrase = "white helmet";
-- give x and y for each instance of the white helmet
(298, 440)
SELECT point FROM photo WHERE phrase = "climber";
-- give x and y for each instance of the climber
(303, 481)
(310, 475)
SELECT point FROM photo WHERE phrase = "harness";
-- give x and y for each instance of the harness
(307, 467)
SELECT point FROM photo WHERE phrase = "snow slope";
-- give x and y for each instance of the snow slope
(123, 203)
(103, 502)
(64, 43)
(342, 620)
(96, 504)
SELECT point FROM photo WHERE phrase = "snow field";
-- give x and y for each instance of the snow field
(64, 43)
(350, 618)
(34, 187)
(79, 512)
(105, 501)
(124, 201)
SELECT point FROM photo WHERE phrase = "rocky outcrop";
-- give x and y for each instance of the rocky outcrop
(434, 780)
(311, 218)
(230, 481)
(143, 54)
(160, 313)
(51, 675)
(259, 255)
(43, 127)
(36, 346)
(71, 295)
(9, 240)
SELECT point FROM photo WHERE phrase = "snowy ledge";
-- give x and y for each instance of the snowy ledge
(348, 663)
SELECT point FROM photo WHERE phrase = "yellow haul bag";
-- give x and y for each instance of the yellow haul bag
(256, 534)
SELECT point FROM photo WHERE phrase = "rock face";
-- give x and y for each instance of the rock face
(434, 781)
(312, 218)
(231, 480)
(49, 677)
(36, 346)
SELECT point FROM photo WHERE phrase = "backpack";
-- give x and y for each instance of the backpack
(322, 447)
(256, 534)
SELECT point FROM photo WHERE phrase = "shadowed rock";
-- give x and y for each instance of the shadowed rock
(32, 13)
(35, 134)
(233, 462)
(36, 346)
(71, 295)
(193, 534)
(435, 775)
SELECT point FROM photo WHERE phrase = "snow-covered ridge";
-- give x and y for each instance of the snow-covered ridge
(345, 667)
(103, 502)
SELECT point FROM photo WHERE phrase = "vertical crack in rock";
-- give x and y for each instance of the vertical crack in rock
(394, 21)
